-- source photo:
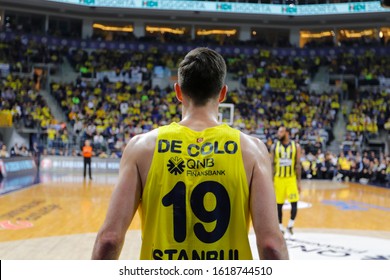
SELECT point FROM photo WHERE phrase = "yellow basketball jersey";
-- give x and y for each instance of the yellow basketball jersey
(284, 160)
(195, 204)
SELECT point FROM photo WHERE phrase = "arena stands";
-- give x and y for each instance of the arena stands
(366, 168)
(369, 114)
(20, 98)
(113, 100)
(21, 54)
(269, 71)
(367, 67)
(111, 113)
(125, 64)
(138, 109)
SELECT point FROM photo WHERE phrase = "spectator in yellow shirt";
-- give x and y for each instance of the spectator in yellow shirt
(344, 166)
(51, 135)
(387, 125)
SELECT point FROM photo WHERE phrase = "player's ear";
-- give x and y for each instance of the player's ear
(222, 94)
(179, 94)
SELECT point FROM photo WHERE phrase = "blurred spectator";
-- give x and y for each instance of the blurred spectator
(23, 151)
(344, 167)
(15, 151)
(3, 152)
(331, 168)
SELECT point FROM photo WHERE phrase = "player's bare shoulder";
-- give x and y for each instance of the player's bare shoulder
(254, 155)
(145, 140)
(142, 144)
(252, 146)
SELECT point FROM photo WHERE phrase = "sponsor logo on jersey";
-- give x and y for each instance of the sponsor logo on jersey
(206, 173)
(176, 165)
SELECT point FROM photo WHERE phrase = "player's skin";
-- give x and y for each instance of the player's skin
(133, 172)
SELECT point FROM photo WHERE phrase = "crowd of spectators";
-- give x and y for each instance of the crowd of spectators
(110, 114)
(22, 100)
(368, 167)
(367, 67)
(266, 70)
(329, 42)
(16, 150)
(310, 116)
(368, 120)
(128, 63)
(254, 71)
(370, 113)
(273, 91)
(21, 54)
(136, 108)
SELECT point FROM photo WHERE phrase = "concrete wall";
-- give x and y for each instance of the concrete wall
(87, 29)
(295, 37)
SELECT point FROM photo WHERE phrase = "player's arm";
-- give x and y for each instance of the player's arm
(298, 168)
(270, 242)
(273, 159)
(123, 205)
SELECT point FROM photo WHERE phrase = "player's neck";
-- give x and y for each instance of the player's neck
(200, 117)
(286, 141)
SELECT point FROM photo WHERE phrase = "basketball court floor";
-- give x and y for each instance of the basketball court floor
(58, 216)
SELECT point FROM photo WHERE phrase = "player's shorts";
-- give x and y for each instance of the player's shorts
(286, 188)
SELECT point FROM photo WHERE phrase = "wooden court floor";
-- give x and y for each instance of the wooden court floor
(59, 218)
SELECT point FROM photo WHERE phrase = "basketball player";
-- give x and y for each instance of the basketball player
(197, 182)
(286, 156)
(87, 154)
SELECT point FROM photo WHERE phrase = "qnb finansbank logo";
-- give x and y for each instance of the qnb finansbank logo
(176, 165)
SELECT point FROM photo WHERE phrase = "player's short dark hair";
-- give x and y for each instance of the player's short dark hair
(202, 75)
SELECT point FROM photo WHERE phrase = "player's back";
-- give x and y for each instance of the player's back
(195, 203)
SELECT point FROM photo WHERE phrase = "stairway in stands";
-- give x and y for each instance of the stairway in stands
(320, 84)
(339, 129)
(65, 74)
